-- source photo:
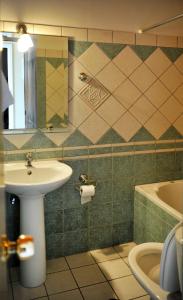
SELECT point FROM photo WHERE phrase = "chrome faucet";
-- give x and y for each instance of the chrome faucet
(29, 160)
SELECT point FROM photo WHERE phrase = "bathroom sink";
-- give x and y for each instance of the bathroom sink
(43, 177)
(31, 184)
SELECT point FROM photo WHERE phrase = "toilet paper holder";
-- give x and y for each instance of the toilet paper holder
(85, 180)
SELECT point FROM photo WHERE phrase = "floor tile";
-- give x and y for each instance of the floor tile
(60, 282)
(101, 291)
(71, 295)
(127, 288)
(126, 260)
(147, 297)
(104, 254)
(114, 268)
(57, 264)
(79, 260)
(22, 293)
(42, 298)
(124, 249)
(88, 275)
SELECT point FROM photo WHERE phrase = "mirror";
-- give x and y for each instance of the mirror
(35, 83)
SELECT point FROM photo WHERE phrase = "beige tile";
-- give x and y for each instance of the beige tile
(180, 42)
(71, 295)
(127, 61)
(157, 93)
(72, 58)
(126, 260)
(127, 126)
(104, 254)
(57, 264)
(111, 110)
(147, 297)
(179, 63)
(79, 260)
(124, 37)
(78, 111)
(9, 26)
(88, 275)
(178, 124)
(94, 59)
(47, 30)
(142, 110)
(146, 39)
(127, 288)
(127, 93)
(79, 34)
(1, 25)
(171, 109)
(88, 127)
(142, 77)
(111, 77)
(74, 71)
(40, 52)
(158, 62)
(101, 291)
(157, 125)
(97, 35)
(114, 269)
(22, 293)
(179, 94)
(166, 41)
(60, 282)
(124, 249)
(172, 78)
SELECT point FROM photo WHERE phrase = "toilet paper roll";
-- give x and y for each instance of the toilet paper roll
(86, 192)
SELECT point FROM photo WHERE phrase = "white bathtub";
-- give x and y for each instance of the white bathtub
(167, 195)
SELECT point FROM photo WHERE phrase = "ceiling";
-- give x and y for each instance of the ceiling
(125, 15)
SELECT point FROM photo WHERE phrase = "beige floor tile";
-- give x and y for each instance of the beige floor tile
(127, 288)
(22, 293)
(126, 260)
(104, 254)
(57, 264)
(147, 297)
(88, 275)
(124, 249)
(70, 295)
(79, 260)
(114, 268)
(101, 291)
(60, 282)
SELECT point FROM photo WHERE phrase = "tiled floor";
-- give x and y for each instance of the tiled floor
(96, 275)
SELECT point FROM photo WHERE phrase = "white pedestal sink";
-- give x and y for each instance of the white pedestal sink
(45, 177)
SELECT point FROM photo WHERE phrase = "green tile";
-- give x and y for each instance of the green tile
(49, 154)
(57, 61)
(75, 242)
(171, 133)
(100, 237)
(75, 218)
(111, 137)
(53, 201)
(124, 148)
(122, 233)
(100, 215)
(75, 152)
(100, 168)
(111, 49)
(144, 164)
(142, 135)
(123, 190)
(143, 52)
(54, 245)
(57, 122)
(77, 139)
(54, 222)
(70, 196)
(145, 147)
(79, 167)
(123, 167)
(103, 193)
(39, 140)
(14, 157)
(77, 48)
(122, 212)
(165, 163)
(7, 145)
(101, 150)
(165, 146)
(172, 53)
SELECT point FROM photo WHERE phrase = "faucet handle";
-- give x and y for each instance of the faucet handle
(29, 155)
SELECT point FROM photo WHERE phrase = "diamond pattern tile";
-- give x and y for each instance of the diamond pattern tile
(179, 63)
(179, 94)
(78, 111)
(157, 93)
(110, 77)
(142, 77)
(158, 62)
(74, 70)
(157, 125)
(179, 124)
(127, 61)
(93, 59)
(127, 126)
(127, 93)
(142, 109)
(94, 93)
(172, 78)
(111, 110)
(94, 127)
(171, 109)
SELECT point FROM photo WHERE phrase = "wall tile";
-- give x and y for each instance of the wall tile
(166, 41)
(146, 39)
(123, 37)
(47, 30)
(180, 41)
(79, 34)
(97, 35)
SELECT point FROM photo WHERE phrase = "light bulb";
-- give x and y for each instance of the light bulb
(140, 31)
(24, 42)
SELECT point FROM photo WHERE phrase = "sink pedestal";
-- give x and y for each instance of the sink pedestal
(33, 271)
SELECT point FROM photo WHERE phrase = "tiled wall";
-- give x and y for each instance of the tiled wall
(151, 223)
(126, 128)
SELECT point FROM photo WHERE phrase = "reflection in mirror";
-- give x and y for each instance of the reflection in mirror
(35, 83)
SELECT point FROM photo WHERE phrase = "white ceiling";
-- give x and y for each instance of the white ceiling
(126, 15)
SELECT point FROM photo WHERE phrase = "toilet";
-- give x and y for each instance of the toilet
(155, 267)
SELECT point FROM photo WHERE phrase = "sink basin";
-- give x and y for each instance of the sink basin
(44, 177)
(30, 185)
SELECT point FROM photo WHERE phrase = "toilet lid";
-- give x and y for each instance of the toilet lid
(169, 280)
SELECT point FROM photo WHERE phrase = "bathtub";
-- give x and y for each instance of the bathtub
(158, 207)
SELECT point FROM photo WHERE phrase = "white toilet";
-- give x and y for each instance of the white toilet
(155, 267)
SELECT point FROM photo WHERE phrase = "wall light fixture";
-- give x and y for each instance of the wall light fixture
(24, 42)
